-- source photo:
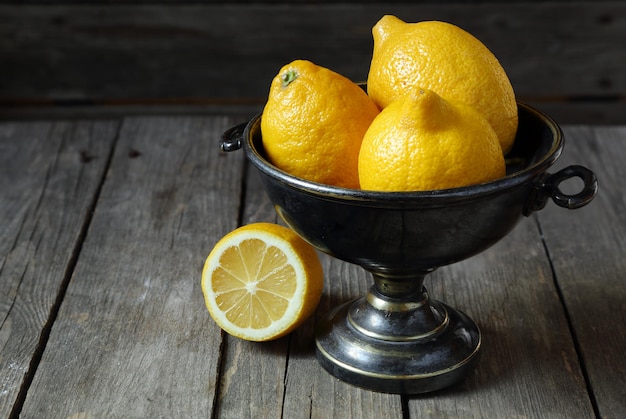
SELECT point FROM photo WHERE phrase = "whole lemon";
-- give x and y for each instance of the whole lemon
(423, 142)
(313, 124)
(444, 58)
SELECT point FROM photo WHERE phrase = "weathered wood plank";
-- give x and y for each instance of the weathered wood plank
(207, 54)
(528, 367)
(50, 174)
(576, 112)
(528, 356)
(282, 378)
(252, 373)
(310, 391)
(133, 338)
(587, 250)
(293, 2)
(584, 112)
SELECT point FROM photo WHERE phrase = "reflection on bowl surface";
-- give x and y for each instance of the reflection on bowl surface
(403, 233)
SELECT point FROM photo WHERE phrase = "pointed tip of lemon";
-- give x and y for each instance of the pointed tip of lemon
(424, 109)
(385, 27)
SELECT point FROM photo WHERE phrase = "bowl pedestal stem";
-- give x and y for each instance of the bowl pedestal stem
(397, 339)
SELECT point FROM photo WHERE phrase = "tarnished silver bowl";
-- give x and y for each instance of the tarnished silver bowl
(396, 338)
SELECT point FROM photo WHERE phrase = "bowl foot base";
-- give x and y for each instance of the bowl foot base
(404, 364)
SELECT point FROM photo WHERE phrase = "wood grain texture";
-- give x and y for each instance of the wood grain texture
(243, 2)
(311, 392)
(253, 373)
(133, 338)
(587, 249)
(282, 378)
(102, 315)
(528, 366)
(50, 174)
(205, 54)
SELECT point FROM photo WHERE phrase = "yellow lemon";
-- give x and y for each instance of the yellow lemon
(446, 59)
(423, 142)
(313, 124)
(261, 281)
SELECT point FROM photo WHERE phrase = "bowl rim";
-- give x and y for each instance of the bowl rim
(449, 195)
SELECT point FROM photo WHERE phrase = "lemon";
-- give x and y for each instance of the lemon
(261, 281)
(424, 142)
(446, 59)
(313, 123)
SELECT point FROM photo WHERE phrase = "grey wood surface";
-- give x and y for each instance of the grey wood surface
(587, 250)
(50, 174)
(564, 55)
(105, 229)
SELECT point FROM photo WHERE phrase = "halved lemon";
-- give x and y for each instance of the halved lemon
(261, 281)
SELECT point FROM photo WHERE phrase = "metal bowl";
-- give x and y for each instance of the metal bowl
(399, 232)
(397, 339)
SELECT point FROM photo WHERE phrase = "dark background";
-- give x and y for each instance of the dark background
(79, 58)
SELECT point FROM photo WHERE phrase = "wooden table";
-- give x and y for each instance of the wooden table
(106, 225)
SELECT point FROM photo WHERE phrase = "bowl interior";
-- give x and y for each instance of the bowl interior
(400, 233)
(539, 142)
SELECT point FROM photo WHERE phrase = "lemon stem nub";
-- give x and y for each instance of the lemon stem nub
(288, 77)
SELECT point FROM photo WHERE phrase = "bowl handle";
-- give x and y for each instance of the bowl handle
(232, 138)
(548, 187)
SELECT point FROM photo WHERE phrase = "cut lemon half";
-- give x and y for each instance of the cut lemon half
(261, 281)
